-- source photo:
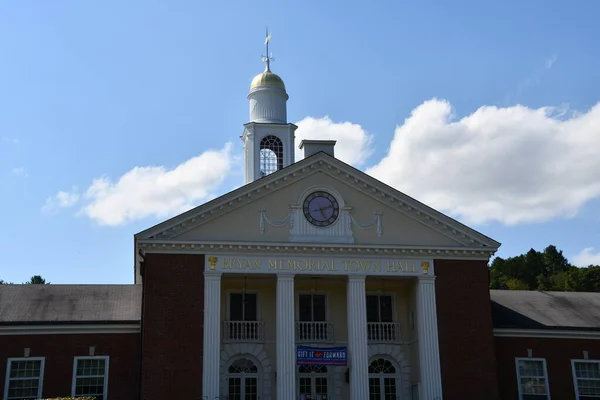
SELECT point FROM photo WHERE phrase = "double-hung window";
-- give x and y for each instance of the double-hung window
(243, 314)
(90, 377)
(312, 311)
(532, 379)
(586, 379)
(24, 378)
(380, 315)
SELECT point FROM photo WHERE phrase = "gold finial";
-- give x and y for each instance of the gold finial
(213, 262)
(269, 57)
(425, 266)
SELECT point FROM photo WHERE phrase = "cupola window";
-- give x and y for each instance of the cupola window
(271, 155)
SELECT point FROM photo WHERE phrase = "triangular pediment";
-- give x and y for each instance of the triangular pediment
(261, 213)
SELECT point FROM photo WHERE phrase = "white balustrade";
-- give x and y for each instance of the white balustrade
(243, 331)
(383, 332)
(314, 331)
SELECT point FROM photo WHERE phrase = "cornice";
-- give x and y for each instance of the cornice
(548, 333)
(394, 199)
(66, 328)
(198, 247)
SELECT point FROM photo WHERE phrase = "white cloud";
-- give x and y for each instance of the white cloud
(513, 165)
(353, 142)
(61, 200)
(587, 257)
(155, 191)
(20, 171)
(6, 139)
(549, 62)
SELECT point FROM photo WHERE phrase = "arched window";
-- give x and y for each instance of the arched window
(312, 382)
(271, 155)
(382, 380)
(242, 380)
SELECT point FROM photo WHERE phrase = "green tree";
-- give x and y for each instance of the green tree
(516, 284)
(548, 270)
(36, 280)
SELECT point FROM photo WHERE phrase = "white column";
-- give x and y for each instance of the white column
(357, 338)
(429, 353)
(211, 360)
(286, 339)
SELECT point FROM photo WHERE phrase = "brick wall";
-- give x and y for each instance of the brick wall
(558, 354)
(59, 352)
(172, 326)
(465, 330)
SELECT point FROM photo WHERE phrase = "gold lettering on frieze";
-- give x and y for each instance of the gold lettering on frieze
(241, 263)
(321, 265)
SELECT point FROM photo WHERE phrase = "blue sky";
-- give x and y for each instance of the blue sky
(483, 110)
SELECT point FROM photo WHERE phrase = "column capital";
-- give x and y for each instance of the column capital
(212, 276)
(285, 277)
(424, 280)
(356, 278)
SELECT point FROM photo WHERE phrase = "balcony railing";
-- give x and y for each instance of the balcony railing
(244, 331)
(309, 331)
(383, 332)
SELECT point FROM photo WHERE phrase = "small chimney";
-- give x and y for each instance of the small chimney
(314, 146)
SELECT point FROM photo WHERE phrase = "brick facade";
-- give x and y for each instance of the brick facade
(465, 330)
(172, 326)
(558, 354)
(59, 352)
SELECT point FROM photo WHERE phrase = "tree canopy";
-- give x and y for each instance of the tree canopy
(545, 270)
(34, 280)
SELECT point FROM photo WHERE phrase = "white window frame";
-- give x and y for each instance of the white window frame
(245, 375)
(392, 295)
(313, 383)
(40, 378)
(106, 365)
(255, 292)
(543, 361)
(573, 362)
(310, 292)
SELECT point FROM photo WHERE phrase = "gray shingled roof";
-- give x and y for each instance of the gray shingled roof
(545, 310)
(29, 304)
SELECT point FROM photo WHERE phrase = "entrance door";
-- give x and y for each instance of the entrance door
(242, 380)
(382, 380)
(313, 382)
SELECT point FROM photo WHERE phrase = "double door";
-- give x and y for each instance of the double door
(313, 383)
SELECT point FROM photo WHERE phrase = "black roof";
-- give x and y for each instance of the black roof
(520, 309)
(40, 304)
(28, 304)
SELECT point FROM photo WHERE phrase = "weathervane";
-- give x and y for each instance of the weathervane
(269, 57)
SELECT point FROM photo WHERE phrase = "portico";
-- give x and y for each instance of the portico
(365, 306)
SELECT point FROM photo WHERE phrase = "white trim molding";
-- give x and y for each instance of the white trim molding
(201, 247)
(68, 329)
(40, 378)
(104, 376)
(547, 333)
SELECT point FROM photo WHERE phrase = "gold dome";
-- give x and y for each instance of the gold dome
(267, 78)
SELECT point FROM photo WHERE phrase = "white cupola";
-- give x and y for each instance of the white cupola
(268, 137)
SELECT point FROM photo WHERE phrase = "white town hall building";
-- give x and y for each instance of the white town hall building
(319, 281)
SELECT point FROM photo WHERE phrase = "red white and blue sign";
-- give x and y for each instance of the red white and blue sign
(306, 355)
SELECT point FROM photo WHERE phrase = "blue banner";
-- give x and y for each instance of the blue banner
(306, 355)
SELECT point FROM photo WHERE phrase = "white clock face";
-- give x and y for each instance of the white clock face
(321, 209)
